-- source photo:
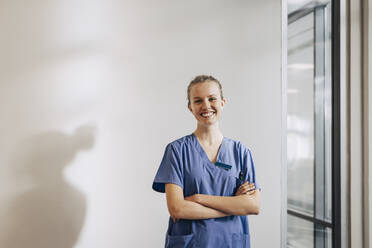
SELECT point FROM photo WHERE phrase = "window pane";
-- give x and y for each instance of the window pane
(328, 113)
(300, 233)
(323, 114)
(300, 119)
(309, 124)
(323, 236)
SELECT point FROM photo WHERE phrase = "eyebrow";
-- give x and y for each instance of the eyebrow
(198, 97)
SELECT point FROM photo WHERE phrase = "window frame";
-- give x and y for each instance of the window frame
(337, 159)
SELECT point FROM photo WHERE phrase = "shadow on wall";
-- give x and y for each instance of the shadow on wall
(51, 211)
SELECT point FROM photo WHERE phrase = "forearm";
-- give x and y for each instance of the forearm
(233, 205)
(195, 211)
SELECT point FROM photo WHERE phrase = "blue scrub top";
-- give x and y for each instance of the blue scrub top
(186, 164)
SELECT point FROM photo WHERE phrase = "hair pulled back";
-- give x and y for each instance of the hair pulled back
(202, 79)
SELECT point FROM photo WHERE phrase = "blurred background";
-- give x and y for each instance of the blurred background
(93, 91)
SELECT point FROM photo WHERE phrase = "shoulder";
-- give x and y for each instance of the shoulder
(179, 143)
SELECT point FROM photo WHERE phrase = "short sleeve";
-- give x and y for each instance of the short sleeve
(170, 170)
(250, 174)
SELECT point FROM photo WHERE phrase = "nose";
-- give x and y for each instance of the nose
(206, 104)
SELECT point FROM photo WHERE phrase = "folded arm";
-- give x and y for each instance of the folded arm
(179, 208)
(243, 204)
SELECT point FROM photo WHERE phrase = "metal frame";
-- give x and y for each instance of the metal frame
(341, 53)
(307, 9)
(284, 127)
(336, 134)
(310, 218)
(367, 77)
(320, 237)
(319, 89)
(338, 212)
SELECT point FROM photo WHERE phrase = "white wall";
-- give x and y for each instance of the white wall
(94, 90)
(356, 131)
(370, 116)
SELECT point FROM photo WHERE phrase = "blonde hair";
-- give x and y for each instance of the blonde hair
(203, 79)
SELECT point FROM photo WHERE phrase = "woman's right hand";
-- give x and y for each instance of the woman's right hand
(246, 189)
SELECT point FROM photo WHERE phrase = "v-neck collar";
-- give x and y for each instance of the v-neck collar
(203, 154)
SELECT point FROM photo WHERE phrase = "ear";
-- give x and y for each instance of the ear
(189, 107)
(223, 102)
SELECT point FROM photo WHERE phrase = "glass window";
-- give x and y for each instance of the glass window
(300, 115)
(309, 125)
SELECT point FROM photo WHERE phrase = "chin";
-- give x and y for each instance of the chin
(208, 122)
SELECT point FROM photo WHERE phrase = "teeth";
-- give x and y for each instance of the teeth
(207, 114)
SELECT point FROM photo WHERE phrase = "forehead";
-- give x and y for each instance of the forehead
(204, 89)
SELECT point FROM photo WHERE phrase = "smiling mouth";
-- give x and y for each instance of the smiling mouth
(208, 114)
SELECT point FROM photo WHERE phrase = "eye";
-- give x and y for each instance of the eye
(213, 99)
(197, 101)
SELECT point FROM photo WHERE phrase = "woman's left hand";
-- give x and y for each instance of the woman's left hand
(246, 189)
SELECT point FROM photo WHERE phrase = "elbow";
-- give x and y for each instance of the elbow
(175, 212)
(253, 208)
(249, 209)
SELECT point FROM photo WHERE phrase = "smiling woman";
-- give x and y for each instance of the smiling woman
(209, 180)
(207, 100)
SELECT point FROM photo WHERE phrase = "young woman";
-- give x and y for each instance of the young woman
(209, 180)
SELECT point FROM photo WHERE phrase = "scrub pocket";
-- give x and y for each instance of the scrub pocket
(240, 240)
(180, 241)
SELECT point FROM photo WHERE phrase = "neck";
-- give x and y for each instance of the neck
(209, 134)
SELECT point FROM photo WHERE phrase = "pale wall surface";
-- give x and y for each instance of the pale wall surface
(370, 115)
(356, 141)
(118, 70)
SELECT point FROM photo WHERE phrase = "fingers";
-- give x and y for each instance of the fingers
(245, 188)
(248, 188)
(251, 192)
(241, 187)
